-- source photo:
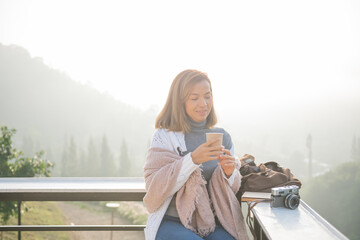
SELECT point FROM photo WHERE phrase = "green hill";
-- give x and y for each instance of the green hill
(48, 107)
(335, 196)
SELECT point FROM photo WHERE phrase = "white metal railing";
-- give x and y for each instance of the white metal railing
(270, 223)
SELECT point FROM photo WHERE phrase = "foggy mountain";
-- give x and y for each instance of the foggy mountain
(279, 133)
(48, 106)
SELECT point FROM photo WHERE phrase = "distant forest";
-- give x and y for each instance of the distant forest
(84, 132)
(87, 133)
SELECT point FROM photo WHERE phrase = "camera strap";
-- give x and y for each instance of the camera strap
(251, 205)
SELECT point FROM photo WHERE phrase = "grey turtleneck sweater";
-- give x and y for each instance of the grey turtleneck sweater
(194, 139)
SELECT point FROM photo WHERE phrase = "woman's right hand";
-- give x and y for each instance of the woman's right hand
(205, 152)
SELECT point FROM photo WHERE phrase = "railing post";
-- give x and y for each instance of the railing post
(257, 229)
(112, 223)
(113, 206)
(19, 219)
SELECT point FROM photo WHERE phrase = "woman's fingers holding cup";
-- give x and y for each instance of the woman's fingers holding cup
(215, 149)
(226, 156)
(227, 161)
(215, 153)
(206, 152)
(227, 152)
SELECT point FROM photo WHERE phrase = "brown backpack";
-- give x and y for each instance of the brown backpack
(263, 177)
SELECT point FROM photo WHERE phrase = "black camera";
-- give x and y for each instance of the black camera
(287, 196)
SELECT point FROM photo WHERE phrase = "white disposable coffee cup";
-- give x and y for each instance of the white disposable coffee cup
(218, 136)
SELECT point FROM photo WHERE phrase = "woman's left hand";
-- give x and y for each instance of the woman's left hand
(227, 163)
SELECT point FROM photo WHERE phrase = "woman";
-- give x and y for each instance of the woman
(191, 184)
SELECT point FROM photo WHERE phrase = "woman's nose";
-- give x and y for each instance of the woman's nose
(203, 102)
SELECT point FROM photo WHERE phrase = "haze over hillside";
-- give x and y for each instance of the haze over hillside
(47, 106)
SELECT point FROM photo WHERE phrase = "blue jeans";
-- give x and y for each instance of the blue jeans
(172, 229)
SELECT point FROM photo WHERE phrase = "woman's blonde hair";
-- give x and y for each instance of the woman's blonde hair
(173, 116)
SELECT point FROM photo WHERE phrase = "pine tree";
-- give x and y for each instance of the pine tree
(92, 160)
(125, 164)
(107, 161)
(82, 164)
(73, 165)
(64, 159)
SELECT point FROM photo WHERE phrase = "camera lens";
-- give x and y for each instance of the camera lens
(292, 201)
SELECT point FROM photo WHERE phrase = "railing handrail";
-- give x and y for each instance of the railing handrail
(121, 189)
(72, 189)
(11, 228)
(300, 223)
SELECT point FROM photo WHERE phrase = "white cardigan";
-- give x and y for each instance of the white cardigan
(173, 141)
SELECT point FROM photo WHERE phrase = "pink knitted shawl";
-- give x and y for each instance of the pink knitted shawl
(196, 210)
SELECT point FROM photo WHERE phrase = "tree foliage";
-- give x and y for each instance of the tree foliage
(125, 163)
(108, 167)
(13, 163)
(93, 159)
(335, 197)
(96, 161)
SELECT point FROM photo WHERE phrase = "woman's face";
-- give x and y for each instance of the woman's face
(199, 103)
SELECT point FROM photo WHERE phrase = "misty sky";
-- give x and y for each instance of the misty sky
(258, 54)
